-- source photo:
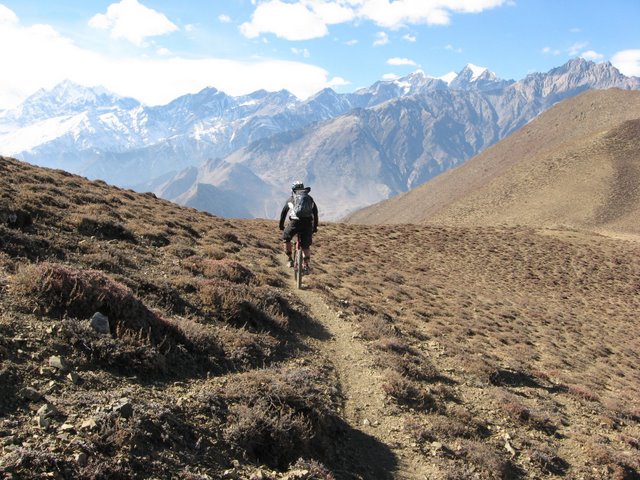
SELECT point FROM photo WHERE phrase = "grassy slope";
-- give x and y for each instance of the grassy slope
(576, 165)
(481, 335)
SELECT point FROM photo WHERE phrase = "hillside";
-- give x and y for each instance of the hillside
(576, 165)
(413, 352)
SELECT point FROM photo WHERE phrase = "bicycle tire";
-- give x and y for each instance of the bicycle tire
(298, 269)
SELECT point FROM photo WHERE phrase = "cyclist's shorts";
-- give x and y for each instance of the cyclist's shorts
(304, 229)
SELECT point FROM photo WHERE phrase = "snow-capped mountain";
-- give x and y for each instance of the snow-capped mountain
(402, 132)
(370, 154)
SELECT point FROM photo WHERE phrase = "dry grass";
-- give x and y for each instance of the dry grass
(194, 305)
(531, 332)
(482, 335)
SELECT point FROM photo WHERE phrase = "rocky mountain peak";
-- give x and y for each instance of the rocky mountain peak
(67, 98)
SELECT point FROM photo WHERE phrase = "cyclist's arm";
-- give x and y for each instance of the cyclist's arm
(283, 215)
(315, 217)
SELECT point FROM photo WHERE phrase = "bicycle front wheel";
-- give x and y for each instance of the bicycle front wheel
(298, 269)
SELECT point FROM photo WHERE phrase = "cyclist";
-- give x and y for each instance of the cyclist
(303, 221)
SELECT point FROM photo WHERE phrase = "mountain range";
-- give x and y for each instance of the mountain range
(236, 156)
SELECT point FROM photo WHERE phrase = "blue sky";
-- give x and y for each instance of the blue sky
(156, 50)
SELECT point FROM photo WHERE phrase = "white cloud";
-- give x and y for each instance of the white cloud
(338, 82)
(351, 43)
(551, 51)
(307, 19)
(132, 21)
(331, 12)
(628, 62)
(390, 76)
(592, 55)
(381, 39)
(224, 18)
(409, 38)
(574, 49)
(301, 51)
(401, 61)
(451, 48)
(292, 21)
(163, 52)
(398, 13)
(45, 58)
(7, 16)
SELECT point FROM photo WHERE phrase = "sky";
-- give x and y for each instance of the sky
(158, 50)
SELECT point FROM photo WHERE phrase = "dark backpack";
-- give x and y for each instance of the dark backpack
(302, 205)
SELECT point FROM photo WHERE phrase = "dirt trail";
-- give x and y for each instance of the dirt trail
(376, 441)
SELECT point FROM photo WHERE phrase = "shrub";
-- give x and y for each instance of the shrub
(491, 463)
(407, 392)
(58, 290)
(275, 415)
(228, 270)
(258, 308)
(103, 228)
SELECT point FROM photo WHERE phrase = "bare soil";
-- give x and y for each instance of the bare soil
(414, 351)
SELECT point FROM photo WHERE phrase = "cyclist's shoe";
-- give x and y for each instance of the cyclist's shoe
(306, 269)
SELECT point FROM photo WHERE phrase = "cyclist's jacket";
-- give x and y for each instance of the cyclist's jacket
(287, 211)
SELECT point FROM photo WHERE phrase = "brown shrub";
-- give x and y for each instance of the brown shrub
(103, 228)
(58, 290)
(490, 461)
(548, 461)
(228, 270)
(245, 349)
(275, 415)
(258, 308)
(376, 327)
(522, 414)
(405, 391)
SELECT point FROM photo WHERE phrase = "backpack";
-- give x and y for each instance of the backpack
(302, 205)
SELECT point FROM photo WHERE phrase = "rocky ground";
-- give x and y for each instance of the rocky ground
(412, 352)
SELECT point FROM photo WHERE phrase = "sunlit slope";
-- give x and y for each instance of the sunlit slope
(577, 165)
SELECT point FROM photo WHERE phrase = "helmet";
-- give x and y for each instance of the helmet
(297, 185)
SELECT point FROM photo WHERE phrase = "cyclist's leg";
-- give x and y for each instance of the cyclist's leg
(287, 235)
(306, 237)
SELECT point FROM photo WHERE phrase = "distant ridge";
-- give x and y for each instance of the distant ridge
(576, 165)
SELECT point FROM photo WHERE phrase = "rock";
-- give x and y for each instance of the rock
(296, 475)
(89, 424)
(366, 422)
(47, 410)
(67, 427)
(58, 363)
(230, 474)
(509, 448)
(81, 459)
(100, 323)
(74, 378)
(31, 394)
(42, 422)
(257, 475)
(124, 408)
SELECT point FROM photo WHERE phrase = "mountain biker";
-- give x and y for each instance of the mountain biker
(304, 223)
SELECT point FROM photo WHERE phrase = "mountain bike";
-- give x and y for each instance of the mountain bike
(297, 262)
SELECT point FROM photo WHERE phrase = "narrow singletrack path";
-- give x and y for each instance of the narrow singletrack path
(376, 426)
